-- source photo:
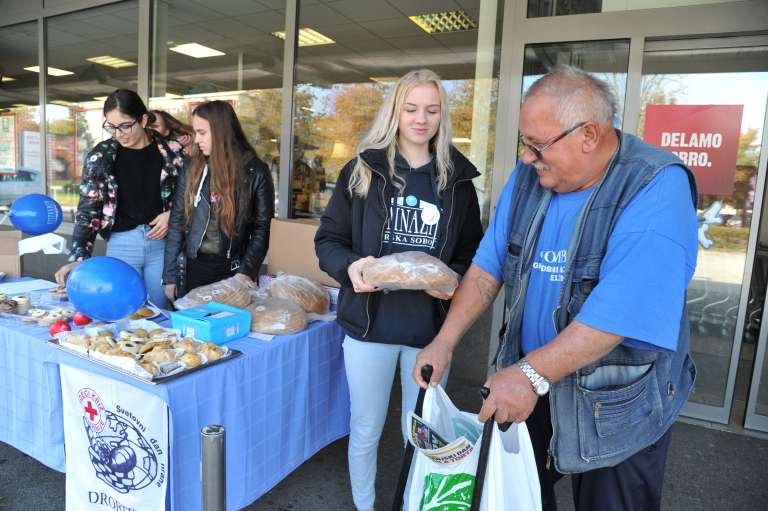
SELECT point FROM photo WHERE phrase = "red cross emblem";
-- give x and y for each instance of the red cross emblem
(91, 411)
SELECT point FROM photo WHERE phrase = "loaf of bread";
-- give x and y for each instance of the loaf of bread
(410, 270)
(229, 291)
(310, 295)
(276, 316)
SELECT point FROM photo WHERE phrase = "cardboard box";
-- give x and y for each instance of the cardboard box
(292, 250)
(10, 261)
(213, 322)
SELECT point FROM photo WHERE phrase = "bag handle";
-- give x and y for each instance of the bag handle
(485, 448)
(405, 468)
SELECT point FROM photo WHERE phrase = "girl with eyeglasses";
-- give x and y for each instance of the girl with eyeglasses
(126, 191)
(222, 208)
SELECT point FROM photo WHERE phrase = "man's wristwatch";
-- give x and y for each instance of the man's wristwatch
(539, 383)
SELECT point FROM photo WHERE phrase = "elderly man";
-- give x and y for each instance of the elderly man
(594, 240)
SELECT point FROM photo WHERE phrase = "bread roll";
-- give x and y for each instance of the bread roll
(310, 295)
(277, 316)
(228, 291)
(211, 351)
(410, 270)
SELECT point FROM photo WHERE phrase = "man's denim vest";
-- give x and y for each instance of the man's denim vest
(613, 408)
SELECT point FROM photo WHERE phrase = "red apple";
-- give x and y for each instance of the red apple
(59, 326)
(80, 319)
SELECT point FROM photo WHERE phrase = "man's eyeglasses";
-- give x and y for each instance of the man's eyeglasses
(538, 151)
(120, 128)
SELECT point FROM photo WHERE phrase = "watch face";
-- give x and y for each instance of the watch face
(542, 387)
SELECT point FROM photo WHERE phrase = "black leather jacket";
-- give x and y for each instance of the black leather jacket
(248, 247)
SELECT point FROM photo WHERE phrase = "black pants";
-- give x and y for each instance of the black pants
(207, 269)
(633, 485)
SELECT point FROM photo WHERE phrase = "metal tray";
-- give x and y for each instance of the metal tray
(153, 381)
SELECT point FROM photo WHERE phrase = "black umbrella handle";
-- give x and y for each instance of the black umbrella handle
(405, 468)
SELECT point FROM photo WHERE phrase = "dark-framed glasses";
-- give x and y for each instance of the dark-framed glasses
(120, 128)
(538, 151)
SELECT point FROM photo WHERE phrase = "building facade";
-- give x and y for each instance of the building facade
(307, 76)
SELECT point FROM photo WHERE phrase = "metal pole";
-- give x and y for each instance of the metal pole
(213, 472)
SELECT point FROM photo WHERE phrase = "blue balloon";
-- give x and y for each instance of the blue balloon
(36, 214)
(106, 288)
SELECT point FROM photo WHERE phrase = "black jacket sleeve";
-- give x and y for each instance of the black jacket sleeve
(174, 241)
(262, 210)
(470, 232)
(333, 240)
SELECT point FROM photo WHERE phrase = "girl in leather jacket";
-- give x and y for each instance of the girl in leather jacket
(222, 208)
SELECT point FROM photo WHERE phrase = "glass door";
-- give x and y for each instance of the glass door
(705, 100)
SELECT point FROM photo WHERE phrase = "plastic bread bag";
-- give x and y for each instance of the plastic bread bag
(410, 270)
(310, 295)
(276, 316)
(229, 291)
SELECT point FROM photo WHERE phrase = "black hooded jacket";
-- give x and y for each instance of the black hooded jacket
(352, 227)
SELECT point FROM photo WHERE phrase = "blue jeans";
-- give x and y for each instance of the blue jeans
(370, 368)
(143, 254)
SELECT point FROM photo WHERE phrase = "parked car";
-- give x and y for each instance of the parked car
(18, 184)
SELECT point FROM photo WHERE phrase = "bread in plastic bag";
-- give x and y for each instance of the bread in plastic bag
(229, 291)
(410, 270)
(310, 295)
(276, 316)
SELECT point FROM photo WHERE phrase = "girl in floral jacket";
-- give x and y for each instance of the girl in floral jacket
(126, 192)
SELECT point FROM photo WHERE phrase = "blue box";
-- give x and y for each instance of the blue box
(213, 322)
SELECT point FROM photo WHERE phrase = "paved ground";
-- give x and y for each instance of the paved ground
(708, 470)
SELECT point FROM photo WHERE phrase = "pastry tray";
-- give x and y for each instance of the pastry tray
(232, 353)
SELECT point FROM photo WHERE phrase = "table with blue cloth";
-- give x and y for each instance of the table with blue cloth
(280, 402)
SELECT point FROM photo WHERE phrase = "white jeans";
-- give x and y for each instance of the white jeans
(370, 371)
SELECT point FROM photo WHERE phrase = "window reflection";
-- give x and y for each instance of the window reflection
(683, 78)
(229, 54)
(85, 65)
(20, 163)
(341, 84)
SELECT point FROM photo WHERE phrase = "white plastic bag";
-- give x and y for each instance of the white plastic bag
(511, 480)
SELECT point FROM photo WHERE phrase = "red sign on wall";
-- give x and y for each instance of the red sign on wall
(705, 137)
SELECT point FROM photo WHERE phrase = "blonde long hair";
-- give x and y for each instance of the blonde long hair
(385, 128)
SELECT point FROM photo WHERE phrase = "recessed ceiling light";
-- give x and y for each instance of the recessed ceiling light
(8, 79)
(307, 37)
(61, 102)
(53, 71)
(106, 60)
(383, 79)
(443, 22)
(197, 51)
(20, 105)
(171, 95)
(100, 98)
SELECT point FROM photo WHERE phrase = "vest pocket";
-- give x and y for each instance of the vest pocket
(618, 419)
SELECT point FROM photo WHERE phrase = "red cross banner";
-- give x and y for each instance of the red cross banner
(705, 137)
(116, 442)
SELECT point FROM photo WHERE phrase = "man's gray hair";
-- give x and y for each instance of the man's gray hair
(580, 96)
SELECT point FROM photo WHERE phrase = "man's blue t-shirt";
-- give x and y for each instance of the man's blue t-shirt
(649, 262)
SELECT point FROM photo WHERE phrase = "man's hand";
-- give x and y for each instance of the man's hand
(159, 226)
(512, 397)
(436, 354)
(355, 271)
